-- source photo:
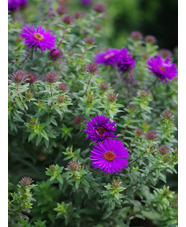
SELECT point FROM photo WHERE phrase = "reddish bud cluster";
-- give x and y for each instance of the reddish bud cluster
(89, 40)
(55, 54)
(150, 39)
(151, 135)
(99, 8)
(51, 77)
(73, 165)
(136, 35)
(91, 67)
(104, 86)
(163, 149)
(68, 19)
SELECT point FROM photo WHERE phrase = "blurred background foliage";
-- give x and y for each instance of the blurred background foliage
(153, 17)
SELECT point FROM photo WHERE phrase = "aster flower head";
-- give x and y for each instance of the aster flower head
(68, 19)
(51, 77)
(125, 61)
(99, 8)
(109, 156)
(38, 37)
(107, 58)
(99, 128)
(55, 54)
(162, 69)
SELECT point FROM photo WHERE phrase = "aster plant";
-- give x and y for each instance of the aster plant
(92, 138)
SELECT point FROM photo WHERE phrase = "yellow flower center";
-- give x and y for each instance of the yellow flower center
(38, 36)
(162, 68)
(109, 155)
(109, 55)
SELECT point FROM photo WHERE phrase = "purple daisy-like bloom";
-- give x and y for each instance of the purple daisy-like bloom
(125, 61)
(162, 69)
(38, 37)
(108, 58)
(99, 128)
(109, 156)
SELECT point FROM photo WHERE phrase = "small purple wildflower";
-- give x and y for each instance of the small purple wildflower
(38, 37)
(107, 58)
(125, 61)
(109, 156)
(99, 128)
(162, 69)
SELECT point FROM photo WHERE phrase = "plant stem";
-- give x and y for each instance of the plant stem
(29, 53)
(87, 85)
(62, 37)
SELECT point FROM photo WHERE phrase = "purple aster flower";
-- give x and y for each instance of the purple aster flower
(86, 2)
(99, 128)
(109, 156)
(108, 58)
(163, 69)
(38, 37)
(125, 60)
(13, 5)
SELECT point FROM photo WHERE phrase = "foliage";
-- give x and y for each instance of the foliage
(47, 141)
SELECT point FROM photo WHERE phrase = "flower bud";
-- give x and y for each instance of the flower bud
(112, 97)
(78, 14)
(151, 135)
(99, 8)
(116, 184)
(131, 108)
(78, 120)
(26, 181)
(55, 54)
(136, 35)
(150, 39)
(73, 165)
(104, 86)
(68, 19)
(139, 132)
(62, 99)
(61, 10)
(63, 87)
(89, 40)
(19, 76)
(91, 67)
(167, 114)
(143, 93)
(163, 149)
(165, 53)
(51, 77)
(32, 77)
